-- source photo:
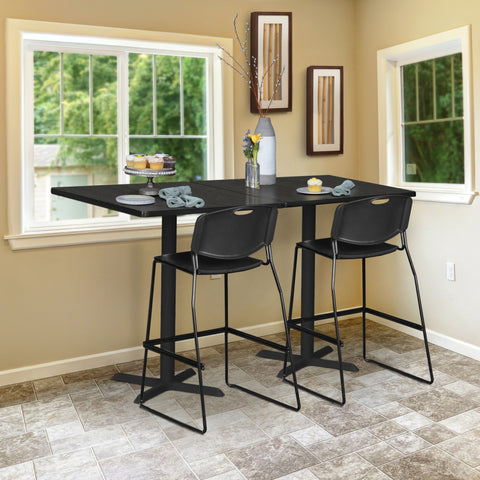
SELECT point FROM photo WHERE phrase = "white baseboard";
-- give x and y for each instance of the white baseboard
(69, 365)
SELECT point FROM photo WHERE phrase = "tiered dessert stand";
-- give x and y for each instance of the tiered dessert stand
(150, 188)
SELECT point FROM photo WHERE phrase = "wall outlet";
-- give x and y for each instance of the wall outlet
(451, 271)
(215, 277)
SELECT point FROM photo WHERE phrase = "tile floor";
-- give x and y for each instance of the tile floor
(84, 426)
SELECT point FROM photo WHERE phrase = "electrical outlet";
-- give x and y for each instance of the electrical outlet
(215, 277)
(451, 271)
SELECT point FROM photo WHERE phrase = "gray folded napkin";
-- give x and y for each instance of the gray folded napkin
(343, 189)
(180, 197)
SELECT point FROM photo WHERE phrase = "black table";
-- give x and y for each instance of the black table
(220, 194)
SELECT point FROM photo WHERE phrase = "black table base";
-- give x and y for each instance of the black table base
(160, 386)
(301, 361)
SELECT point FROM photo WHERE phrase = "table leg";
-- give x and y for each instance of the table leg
(168, 380)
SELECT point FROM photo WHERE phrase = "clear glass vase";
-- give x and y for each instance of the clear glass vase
(252, 175)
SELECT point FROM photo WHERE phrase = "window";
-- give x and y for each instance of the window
(424, 94)
(88, 96)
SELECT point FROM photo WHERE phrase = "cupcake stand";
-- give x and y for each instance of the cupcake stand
(150, 188)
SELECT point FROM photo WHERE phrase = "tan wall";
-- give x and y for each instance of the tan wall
(59, 303)
(439, 232)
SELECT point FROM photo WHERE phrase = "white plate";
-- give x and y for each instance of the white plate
(135, 199)
(323, 191)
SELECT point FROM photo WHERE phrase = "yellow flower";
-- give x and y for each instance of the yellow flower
(255, 138)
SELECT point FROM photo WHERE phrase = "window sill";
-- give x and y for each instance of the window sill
(116, 233)
(460, 198)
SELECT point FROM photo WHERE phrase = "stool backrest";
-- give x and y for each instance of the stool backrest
(372, 220)
(234, 232)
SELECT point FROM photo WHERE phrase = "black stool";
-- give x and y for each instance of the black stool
(222, 243)
(360, 230)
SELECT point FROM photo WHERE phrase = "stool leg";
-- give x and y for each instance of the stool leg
(364, 305)
(200, 367)
(225, 300)
(337, 333)
(149, 323)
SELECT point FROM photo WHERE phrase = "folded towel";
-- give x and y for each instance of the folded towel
(343, 189)
(180, 197)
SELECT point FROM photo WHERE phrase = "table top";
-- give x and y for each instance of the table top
(225, 193)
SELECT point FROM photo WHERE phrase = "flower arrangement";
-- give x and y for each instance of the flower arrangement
(248, 69)
(251, 144)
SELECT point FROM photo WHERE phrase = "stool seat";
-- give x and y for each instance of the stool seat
(209, 265)
(323, 246)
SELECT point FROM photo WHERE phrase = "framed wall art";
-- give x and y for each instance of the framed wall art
(271, 61)
(324, 110)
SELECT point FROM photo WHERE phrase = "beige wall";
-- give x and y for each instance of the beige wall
(60, 303)
(438, 232)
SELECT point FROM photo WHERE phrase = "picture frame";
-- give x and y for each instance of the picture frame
(270, 39)
(324, 110)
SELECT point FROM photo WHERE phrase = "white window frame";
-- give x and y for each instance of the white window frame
(21, 35)
(389, 63)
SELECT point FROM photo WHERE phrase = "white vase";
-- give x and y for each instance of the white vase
(267, 151)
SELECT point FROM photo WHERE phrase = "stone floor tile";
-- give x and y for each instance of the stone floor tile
(304, 474)
(431, 464)
(392, 410)
(68, 466)
(343, 444)
(435, 433)
(337, 421)
(386, 429)
(41, 414)
(11, 421)
(23, 448)
(347, 467)
(210, 467)
(88, 439)
(379, 453)
(465, 447)
(412, 421)
(438, 404)
(156, 463)
(274, 458)
(16, 394)
(144, 433)
(21, 471)
(462, 388)
(219, 440)
(408, 443)
(463, 422)
(311, 435)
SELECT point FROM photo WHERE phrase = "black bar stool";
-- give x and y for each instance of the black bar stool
(360, 230)
(222, 243)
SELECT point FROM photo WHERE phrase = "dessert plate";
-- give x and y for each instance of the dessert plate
(323, 191)
(135, 199)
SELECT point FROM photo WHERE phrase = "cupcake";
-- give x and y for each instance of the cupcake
(314, 185)
(140, 162)
(155, 162)
(169, 162)
(131, 160)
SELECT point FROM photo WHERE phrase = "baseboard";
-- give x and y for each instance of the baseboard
(450, 343)
(69, 365)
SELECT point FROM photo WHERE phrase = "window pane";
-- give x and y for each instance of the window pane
(194, 81)
(104, 94)
(71, 161)
(168, 95)
(190, 155)
(425, 90)
(140, 94)
(409, 93)
(434, 152)
(46, 85)
(458, 83)
(76, 99)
